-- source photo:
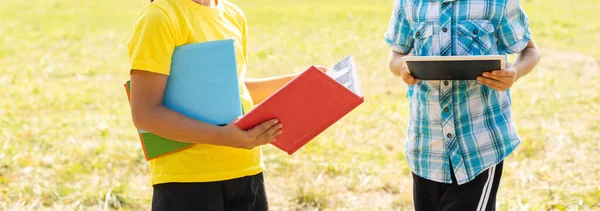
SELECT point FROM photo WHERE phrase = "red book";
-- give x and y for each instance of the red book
(309, 104)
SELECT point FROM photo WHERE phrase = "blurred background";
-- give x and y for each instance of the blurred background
(67, 141)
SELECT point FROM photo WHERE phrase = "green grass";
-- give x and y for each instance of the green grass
(67, 141)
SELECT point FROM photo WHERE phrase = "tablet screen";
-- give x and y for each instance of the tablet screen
(452, 68)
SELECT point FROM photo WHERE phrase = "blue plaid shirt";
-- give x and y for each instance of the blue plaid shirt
(462, 123)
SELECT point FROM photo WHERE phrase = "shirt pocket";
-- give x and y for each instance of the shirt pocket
(475, 37)
(422, 33)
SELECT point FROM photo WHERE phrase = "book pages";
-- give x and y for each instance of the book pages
(344, 72)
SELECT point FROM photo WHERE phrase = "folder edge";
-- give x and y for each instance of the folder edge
(148, 158)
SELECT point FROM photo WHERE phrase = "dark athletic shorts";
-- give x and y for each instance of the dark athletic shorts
(245, 193)
(476, 195)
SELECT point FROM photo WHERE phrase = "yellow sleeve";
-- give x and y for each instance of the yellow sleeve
(152, 43)
(242, 20)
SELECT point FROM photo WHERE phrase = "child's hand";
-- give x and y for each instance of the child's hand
(499, 80)
(407, 77)
(263, 133)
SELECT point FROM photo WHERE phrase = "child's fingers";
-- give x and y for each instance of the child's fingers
(408, 78)
(270, 135)
(496, 87)
(490, 81)
(494, 84)
(506, 81)
(275, 130)
(503, 73)
(503, 79)
(412, 80)
(405, 76)
(488, 84)
(261, 128)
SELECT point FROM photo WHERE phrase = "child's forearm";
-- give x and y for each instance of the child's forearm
(149, 114)
(167, 123)
(395, 62)
(261, 89)
(527, 59)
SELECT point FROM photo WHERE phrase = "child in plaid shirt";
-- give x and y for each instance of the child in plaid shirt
(460, 132)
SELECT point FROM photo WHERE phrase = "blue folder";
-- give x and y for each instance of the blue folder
(203, 84)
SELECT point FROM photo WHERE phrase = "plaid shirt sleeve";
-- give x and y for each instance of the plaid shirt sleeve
(513, 32)
(398, 34)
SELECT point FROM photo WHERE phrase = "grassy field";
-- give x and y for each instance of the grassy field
(67, 141)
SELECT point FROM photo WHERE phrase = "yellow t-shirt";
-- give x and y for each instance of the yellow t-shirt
(161, 27)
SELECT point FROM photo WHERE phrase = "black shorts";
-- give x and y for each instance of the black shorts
(245, 193)
(476, 195)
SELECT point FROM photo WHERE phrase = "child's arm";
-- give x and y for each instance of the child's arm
(395, 65)
(399, 39)
(149, 114)
(503, 79)
(514, 37)
(527, 60)
(261, 88)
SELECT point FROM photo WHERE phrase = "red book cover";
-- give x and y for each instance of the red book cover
(307, 105)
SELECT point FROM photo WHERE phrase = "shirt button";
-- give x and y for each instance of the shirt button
(449, 135)
(446, 83)
(418, 34)
(444, 29)
(446, 109)
(475, 31)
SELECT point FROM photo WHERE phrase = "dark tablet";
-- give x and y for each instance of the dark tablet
(452, 67)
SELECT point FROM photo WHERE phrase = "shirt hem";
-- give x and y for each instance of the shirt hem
(514, 146)
(515, 142)
(213, 177)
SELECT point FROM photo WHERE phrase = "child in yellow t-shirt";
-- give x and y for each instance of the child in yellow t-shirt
(223, 170)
